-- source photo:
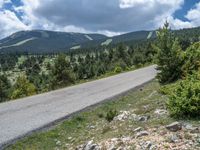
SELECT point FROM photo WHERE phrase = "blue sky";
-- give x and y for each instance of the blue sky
(110, 17)
(188, 4)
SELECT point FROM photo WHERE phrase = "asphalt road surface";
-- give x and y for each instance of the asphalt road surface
(21, 117)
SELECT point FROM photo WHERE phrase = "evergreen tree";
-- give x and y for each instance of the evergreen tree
(23, 88)
(170, 56)
(4, 88)
(61, 72)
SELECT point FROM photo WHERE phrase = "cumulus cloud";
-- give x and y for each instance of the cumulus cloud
(110, 17)
(10, 23)
(194, 15)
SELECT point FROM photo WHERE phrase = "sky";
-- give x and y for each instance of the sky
(109, 17)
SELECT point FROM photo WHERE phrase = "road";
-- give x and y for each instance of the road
(20, 117)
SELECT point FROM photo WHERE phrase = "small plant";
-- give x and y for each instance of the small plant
(111, 115)
(106, 129)
(79, 118)
(100, 115)
(118, 70)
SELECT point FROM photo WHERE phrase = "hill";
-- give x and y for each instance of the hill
(44, 41)
(41, 41)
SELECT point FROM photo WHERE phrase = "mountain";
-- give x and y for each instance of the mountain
(124, 38)
(38, 41)
(44, 41)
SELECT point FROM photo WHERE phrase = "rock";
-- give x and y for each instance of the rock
(58, 143)
(195, 130)
(123, 116)
(139, 118)
(146, 145)
(175, 126)
(137, 129)
(191, 128)
(160, 112)
(91, 127)
(126, 139)
(91, 146)
(142, 133)
(153, 147)
(174, 138)
(115, 139)
(143, 118)
(133, 117)
(69, 138)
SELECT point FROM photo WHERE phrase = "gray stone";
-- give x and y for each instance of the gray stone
(147, 144)
(58, 143)
(175, 126)
(174, 138)
(142, 133)
(153, 147)
(124, 115)
(137, 129)
(191, 128)
(160, 112)
(143, 118)
(195, 130)
(91, 146)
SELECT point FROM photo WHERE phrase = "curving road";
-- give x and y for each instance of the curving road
(21, 117)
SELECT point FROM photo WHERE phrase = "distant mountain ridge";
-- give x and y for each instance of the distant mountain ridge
(44, 41)
(39, 41)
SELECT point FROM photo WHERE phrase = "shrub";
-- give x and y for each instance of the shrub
(23, 88)
(192, 62)
(118, 70)
(111, 115)
(100, 115)
(184, 100)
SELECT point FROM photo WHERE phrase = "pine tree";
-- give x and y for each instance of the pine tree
(170, 56)
(62, 72)
(4, 88)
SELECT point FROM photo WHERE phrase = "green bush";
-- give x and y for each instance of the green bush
(22, 88)
(184, 99)
(192, 59)
(111, 114)
(118, 70)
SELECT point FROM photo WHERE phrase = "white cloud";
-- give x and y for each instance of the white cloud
(9, 23)
(133, 3)
(110, 17)
(101, 15)
(194, 15)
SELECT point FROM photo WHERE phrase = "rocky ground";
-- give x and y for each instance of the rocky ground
(175, 136)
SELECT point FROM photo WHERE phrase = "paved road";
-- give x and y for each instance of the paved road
(20, 117)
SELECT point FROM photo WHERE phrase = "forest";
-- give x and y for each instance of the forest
(176, 54)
